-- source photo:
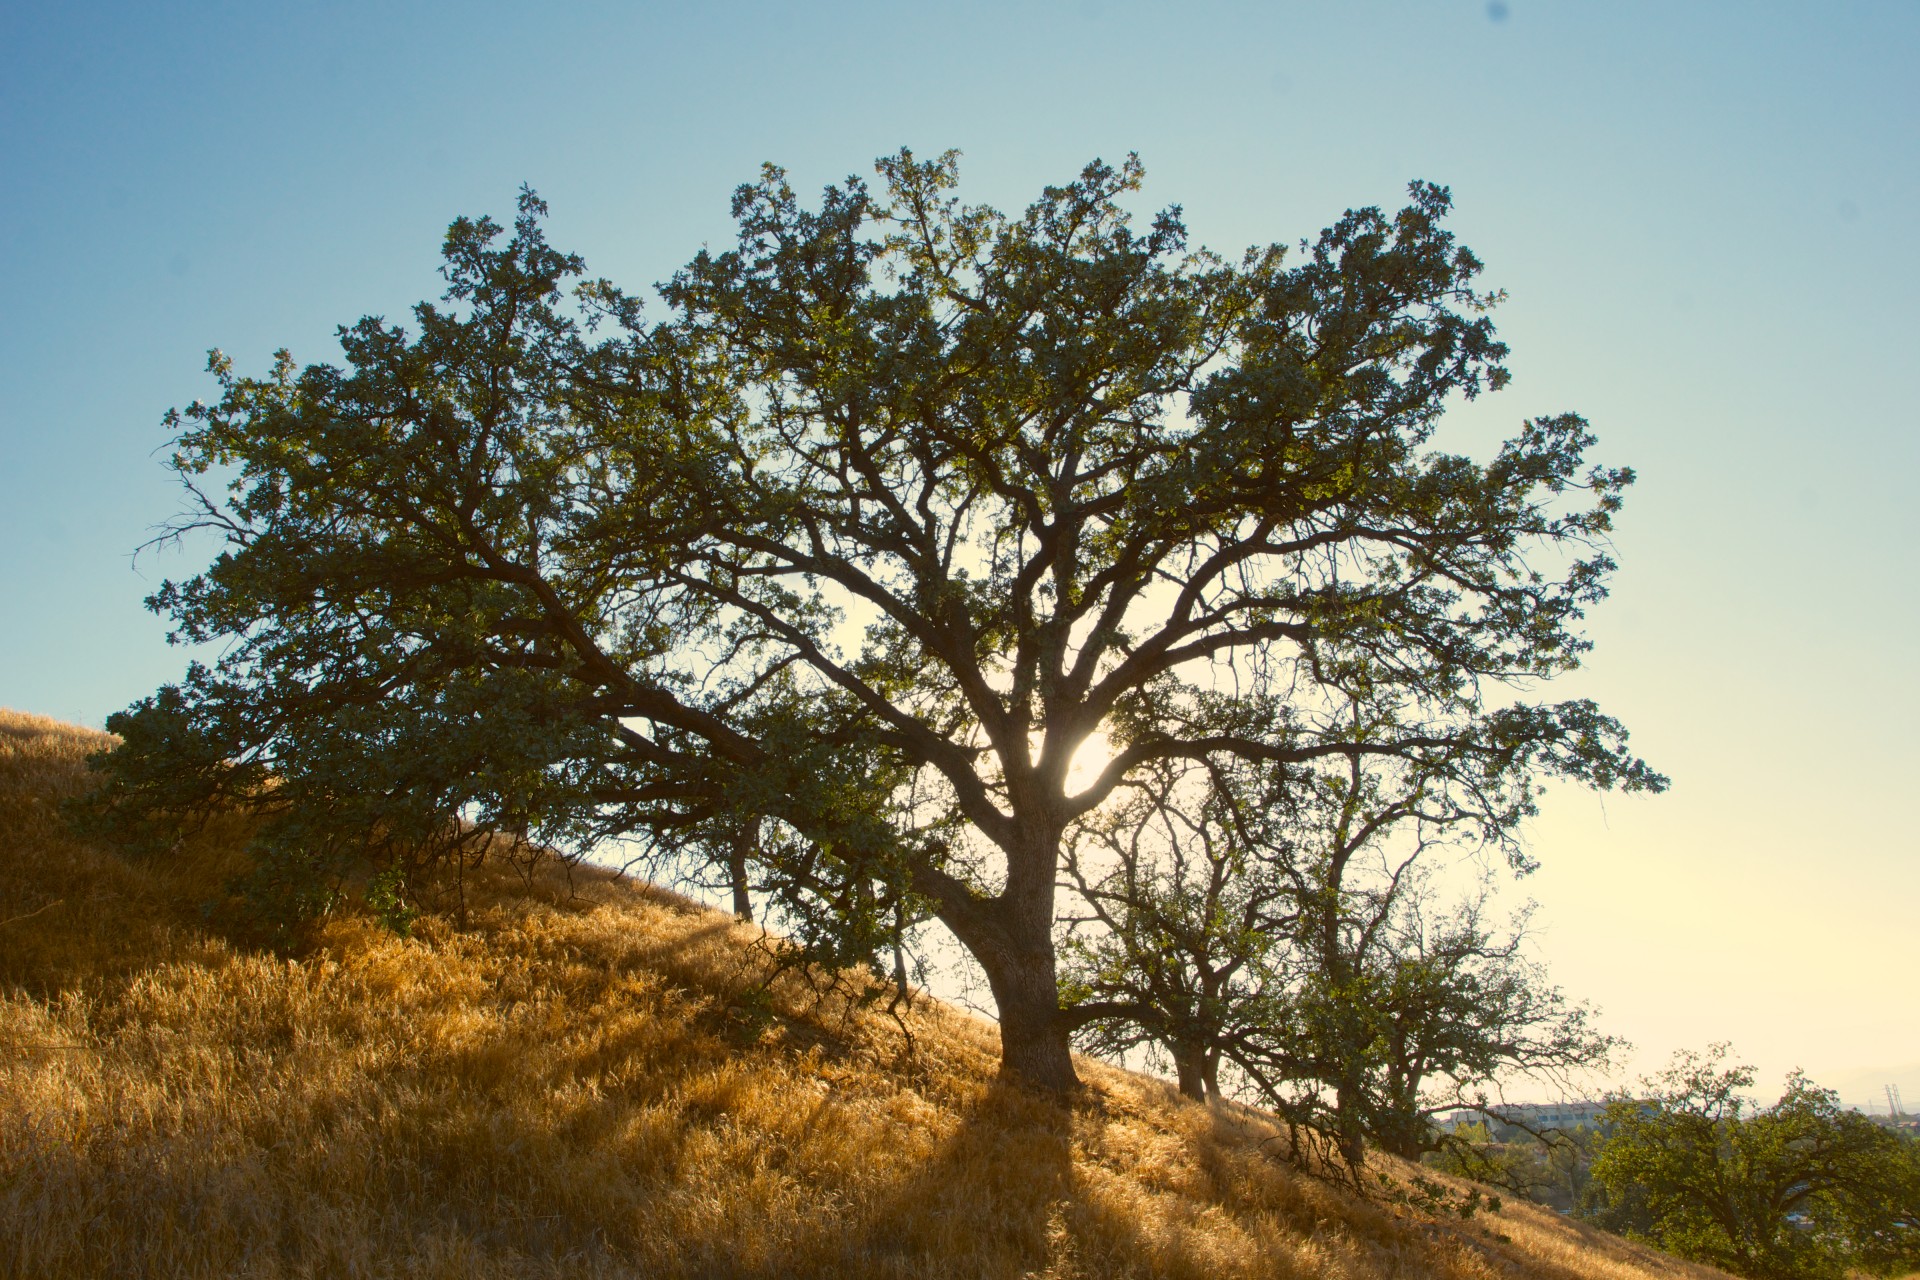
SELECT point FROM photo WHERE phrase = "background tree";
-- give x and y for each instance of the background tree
(1185, 939)
(1288, 925)
(1427, 1008)
(1550, 1165)
(900, 503)
(1801, 1188)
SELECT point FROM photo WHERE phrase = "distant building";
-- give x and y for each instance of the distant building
(1909, 1125)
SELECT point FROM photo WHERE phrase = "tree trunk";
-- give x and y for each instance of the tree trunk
(1191, 1072)
(1033, 1037)
(1210, 1073)
(1011, 936)
(899, 963)
(744, 840)
(1349, 1132)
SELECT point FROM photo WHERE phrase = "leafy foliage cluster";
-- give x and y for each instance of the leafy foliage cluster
(1799, 1189)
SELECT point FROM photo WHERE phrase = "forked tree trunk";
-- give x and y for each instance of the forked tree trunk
(1198, 1070)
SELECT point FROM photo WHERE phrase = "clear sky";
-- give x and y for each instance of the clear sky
(1704, 215)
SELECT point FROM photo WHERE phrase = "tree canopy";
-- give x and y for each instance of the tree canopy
(897, 504)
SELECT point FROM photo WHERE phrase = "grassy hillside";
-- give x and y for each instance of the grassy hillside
(581, 1083)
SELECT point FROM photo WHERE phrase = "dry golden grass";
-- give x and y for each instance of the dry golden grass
(577, 1085)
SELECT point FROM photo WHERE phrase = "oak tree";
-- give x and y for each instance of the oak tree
(1289, 927)
(1801, 1188)
(897, 503)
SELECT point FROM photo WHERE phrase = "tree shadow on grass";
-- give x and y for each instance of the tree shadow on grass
(988, 1202)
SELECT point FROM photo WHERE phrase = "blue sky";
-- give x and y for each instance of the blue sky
(1703, 215)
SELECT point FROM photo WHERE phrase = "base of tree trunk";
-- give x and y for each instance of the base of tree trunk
(1034, 1047)
(1043, 1068)
(1193, 1083)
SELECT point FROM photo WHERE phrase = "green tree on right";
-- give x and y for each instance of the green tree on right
(1799, 1189)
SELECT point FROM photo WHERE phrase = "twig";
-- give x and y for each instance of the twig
(31, 914)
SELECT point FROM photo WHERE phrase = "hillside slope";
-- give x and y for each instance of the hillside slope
(582, 1083)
